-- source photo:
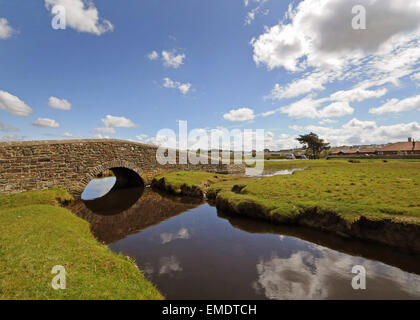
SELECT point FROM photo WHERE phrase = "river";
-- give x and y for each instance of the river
(191, 251)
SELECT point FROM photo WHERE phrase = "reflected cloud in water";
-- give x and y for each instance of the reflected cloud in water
(169, 265)
(181, 234)
(326, 274)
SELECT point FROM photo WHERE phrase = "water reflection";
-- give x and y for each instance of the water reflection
(190, 251)
(114, 216)
(254, 172)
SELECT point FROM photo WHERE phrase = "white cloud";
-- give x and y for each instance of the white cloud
(153, 55)
(172, 60)
(5, 127)
(71, 135)
(336, 109)
(82, 16)
(365, 132)
(61, 104)
(108, 130)
(13, 104)
(358, 94)
(6, 31)
(396, 105)
(142, 137)
(320, 33)
(10, 137)
(100, 136)
(327, 121)
(268, 113)
(415, 77)
(242, 114)
(118, 122)
(316, 37)
(251, 15)
(46, 123)
(184, 88)
(309, 108)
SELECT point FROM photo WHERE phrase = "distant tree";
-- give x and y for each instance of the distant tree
(313, 144)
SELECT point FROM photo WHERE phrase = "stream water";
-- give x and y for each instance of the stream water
(191, 251)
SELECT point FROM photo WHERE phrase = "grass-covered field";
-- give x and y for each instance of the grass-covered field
(371, 188)
(36, 235)
(371, 199)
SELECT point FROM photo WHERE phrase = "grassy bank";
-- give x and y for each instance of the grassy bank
(36, 235)
(189, 183)
(373, 200)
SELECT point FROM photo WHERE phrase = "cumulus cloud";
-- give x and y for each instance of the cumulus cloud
(172, 60)
(13, 104)
(316, 42)
(117, 122)
(153, 55)
(311, 108)
(61, 104)
(107, 130)
(184, 88)
(82, 16)
(46, 123)
(365, 132)
(242, 114)
(320, 33)
(396, 105)
(6, 31)
(358, 94)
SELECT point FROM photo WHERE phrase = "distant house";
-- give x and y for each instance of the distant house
(345, 152)
(401, 148)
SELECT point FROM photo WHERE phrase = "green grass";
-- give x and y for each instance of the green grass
(371, 188)
(189, 182)
(35, 235)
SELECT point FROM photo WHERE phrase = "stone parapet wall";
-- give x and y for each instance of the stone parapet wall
(71, 164)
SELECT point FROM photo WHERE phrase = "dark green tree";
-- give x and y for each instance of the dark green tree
(313, 144)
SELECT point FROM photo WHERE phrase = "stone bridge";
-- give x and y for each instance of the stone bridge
(71, 164)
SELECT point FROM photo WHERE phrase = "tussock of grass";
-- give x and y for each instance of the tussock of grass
(35, 236)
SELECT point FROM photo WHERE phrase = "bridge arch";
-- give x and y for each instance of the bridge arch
(127, 175)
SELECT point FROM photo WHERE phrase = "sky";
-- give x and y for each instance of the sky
(348, 70)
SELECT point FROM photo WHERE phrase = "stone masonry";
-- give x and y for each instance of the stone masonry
(71, 164)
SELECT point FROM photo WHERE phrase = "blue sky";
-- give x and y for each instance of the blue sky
(130, 68)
